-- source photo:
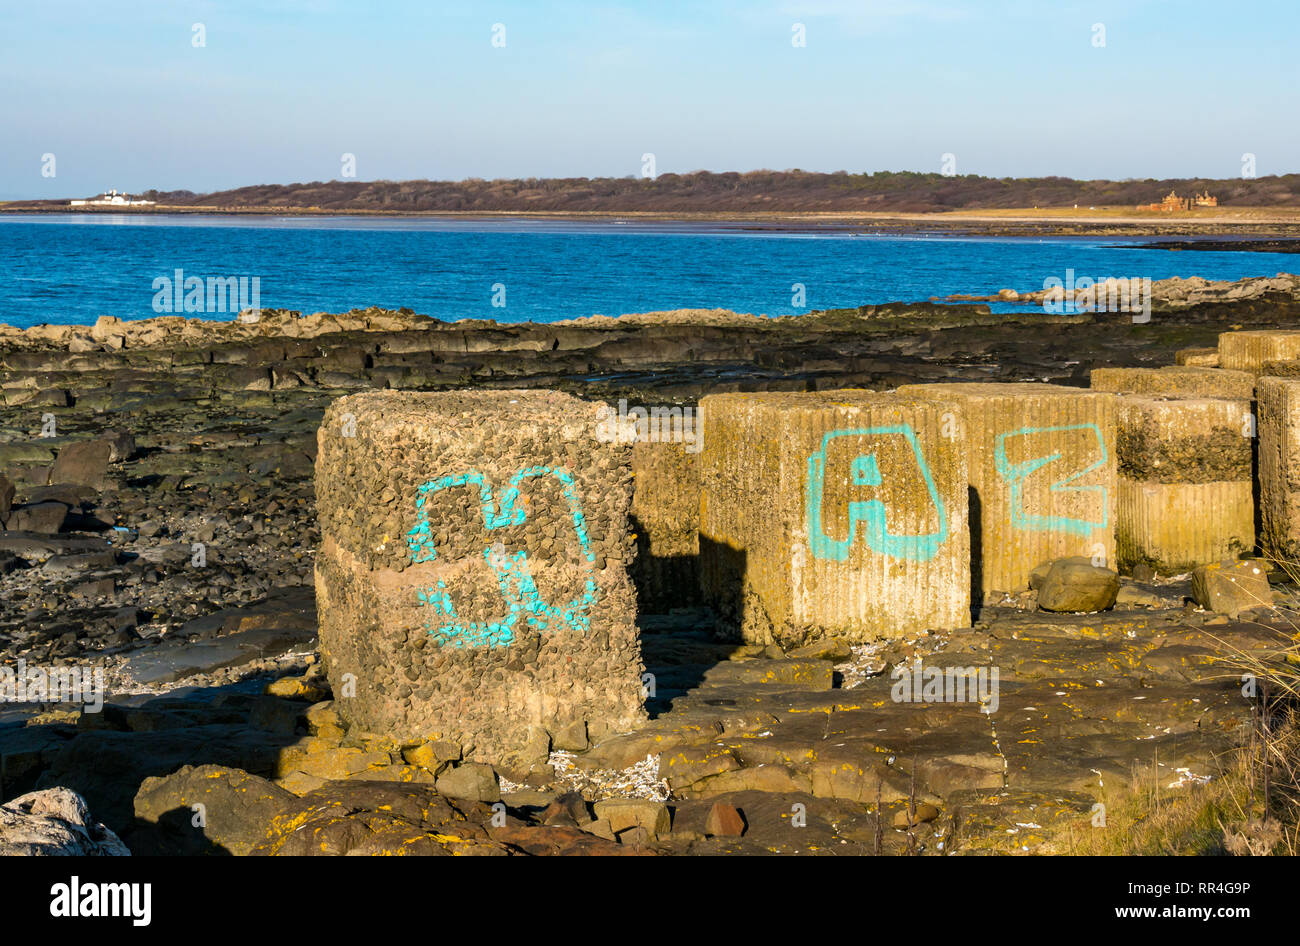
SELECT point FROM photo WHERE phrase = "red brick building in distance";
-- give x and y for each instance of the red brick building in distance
(1173, 202)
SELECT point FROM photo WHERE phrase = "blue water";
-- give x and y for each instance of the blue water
(74, 268)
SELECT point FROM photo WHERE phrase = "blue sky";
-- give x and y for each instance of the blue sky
(119, 94)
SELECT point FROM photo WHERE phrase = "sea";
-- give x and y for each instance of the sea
(73, 268)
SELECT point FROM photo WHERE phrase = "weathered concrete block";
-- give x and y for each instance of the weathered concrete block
(1186, 492)
(1278, 401)
(666, 520)
(1281, 369)
(833, 514)
(1247, 351)
(1042, 475)
(1184, 440)
(471, 581)
(1197, 357)
(1175, 381)
(1173, 527)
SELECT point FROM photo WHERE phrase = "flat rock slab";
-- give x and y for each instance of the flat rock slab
(171, 662)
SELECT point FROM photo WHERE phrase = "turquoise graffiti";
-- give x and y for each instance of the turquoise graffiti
(518, 591)
(864, 470)
(1016, 476)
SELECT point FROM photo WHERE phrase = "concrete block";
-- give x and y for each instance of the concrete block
(1247, 351)
(1281, 369)
(837, 513)
(1042, 475)
(1173, 527)
(472, 578)
(1197, 357)
(1278, 401)
(1175, 381)
(666, 520)
(1186, 491)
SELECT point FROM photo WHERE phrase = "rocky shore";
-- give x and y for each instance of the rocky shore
(157, 522)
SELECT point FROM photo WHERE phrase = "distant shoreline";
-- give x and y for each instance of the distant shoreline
(1255, 223)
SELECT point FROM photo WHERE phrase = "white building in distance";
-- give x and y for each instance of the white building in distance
(112, 199)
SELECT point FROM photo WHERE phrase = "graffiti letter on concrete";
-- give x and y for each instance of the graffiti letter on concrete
(1021, 443)
(514, 579)
(858, 454)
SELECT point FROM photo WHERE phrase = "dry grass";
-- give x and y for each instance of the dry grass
(1148, 818)
(1252, 805)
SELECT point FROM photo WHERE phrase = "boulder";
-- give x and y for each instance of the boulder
(472, 780)
(45, 518)
(6, 499)
(54, 821)
(724, 821)
(208, 809)
(84, 463)
(1075, 584)
(1230, 587)
(624, 813)
(371, 818)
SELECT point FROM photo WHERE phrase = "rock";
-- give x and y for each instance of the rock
(1197, 357)
(311, 689)
(600, 828)
(1075, 584)
(236, 809)
(635, 836)
(433, 755)
(323, 719)
(371, 818)
(54, 821)
(44, 518)
(84, 463)
(690, 764)
(107, 767)
(569, 809)
(624, 813)
(571, 738)
(830, 649)
(6, 498)
(923, 813)
(724, 821)
(470, 780)
(331, 762)
(1143, 572)
(1229, 587)
(121, 445)
(1132, 597)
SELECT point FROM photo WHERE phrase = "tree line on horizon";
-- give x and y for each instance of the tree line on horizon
(707, 191)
